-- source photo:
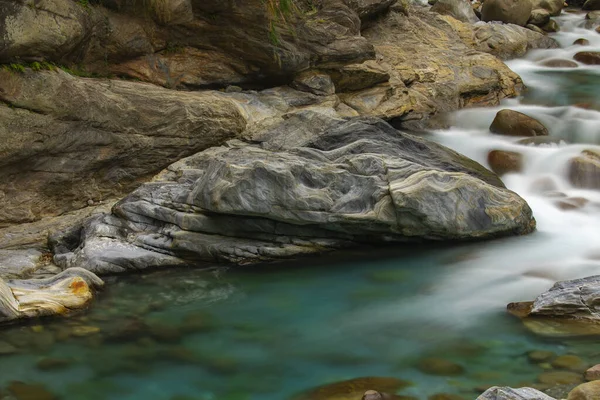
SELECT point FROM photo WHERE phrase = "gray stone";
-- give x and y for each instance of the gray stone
(459, 9)
(508, 11)
(359, 181)
(314, 82)
(506, 393)
(17, 263)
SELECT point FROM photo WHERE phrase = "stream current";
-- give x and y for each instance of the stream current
(269, 333)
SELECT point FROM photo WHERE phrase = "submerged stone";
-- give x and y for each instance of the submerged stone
(49, 363)
(440, 366)
(30, 391)
(353, 389)
(570, 362)
(503, 162)
(540, 356)
(560, 377)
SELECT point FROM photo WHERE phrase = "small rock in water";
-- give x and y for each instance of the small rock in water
(588, 57)
(581, 42)
(584, 170)
(48, 364)
(514, 123)
(85, 330)
(7, 349)
(560, 377)
(502, 162)
(540, 356)
(572, 203)
(372, 395)
(440, 366)
(593, 373)
(26, 391)
(570, 362)
(586, 391)
(164, 333)
(551, 26)
(445, 396)
(559, 63)
(353, 389)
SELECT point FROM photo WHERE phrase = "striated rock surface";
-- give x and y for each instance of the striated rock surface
(64, 292)
(569, 308)
(507, 393)
(358, 181)
(66, 141)
(459, 9)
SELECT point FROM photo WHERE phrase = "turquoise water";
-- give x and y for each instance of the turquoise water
(269, 333)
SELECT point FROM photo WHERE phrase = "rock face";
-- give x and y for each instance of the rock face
(514, 123)
(459, 9)
(81, 139)
(69, 290)
(506, 393)
(508, 11)
(354, 182)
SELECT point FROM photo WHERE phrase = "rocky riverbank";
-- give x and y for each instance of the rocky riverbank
(80, 130)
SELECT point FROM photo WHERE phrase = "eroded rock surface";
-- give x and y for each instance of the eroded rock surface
(507, 393)
(64, 292)
(357, 181)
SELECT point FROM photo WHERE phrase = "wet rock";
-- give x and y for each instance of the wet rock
(440, 366)
(50, 364)
(586, 391)
(514, 123)
(581, 42)
(459, 9)
(559, 63)
(506, 393)
(540, 356)
(353, 389)
(502, 162)
(588, 57)
(7, 349)
(584, 170)
(342, 169)
(540, 141)
(539, 17)
(163, 332)
(197, 322)
(591, 5)
(84, 330)
(560, 377)
(554, 7)
(593, 15)
(314, 82)
(508, 11)
(572, 203)
(551, 26)
(569, 362)
(358, 76)
(30, 391)
(545, 185)
(445, 396)
(127, 330)
(560, 391)
(69, 290)
(19, 263)
(593, 373)
(536, 29)
(372, 395)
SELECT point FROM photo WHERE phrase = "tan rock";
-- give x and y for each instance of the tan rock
(584, 170)
(508, 11)
(353, 389)
(540, 356)
(570, 362)
(586, 391)
(440, 366)
(514, 123)
(593, 373)
(502, 162)
(27, 391)
(559, 63)
(588, 57)
(559, 377)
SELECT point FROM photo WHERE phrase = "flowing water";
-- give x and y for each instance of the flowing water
(269, 333)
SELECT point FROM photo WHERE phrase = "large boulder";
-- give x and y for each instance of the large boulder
(459, 9)
(539, 17)
(513, 123)
(508, 11)
(586, 391)
(588, 57)
(507, 393)
(349, 183)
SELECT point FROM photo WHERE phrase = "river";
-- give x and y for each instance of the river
(270, 332)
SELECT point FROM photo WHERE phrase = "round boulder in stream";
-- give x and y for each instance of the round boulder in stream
(514, 123)
(588, 57)
(502, 162)
(584, 170)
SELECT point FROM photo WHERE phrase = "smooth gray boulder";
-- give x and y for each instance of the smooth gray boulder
(459, 9)
(358, 181)
(507, 393)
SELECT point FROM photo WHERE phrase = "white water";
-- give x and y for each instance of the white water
(567, 243)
